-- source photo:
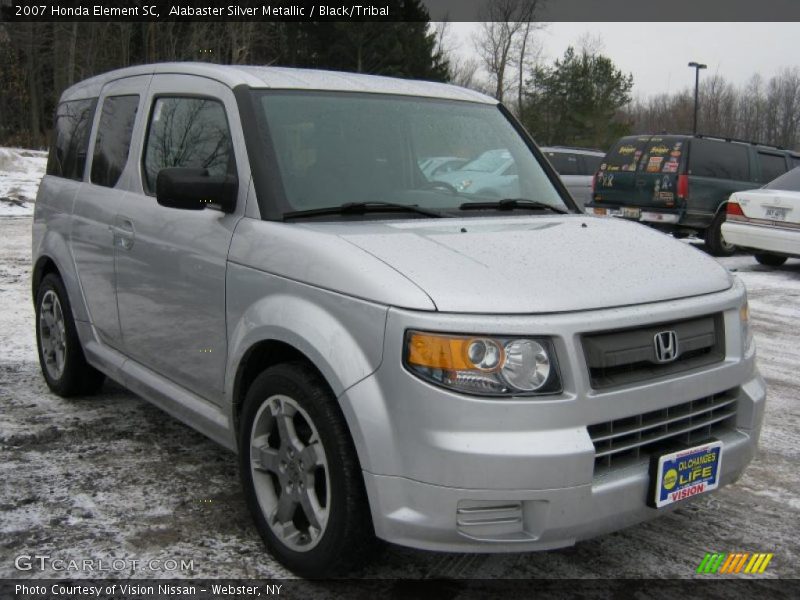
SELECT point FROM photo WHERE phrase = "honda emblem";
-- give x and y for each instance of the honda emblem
(666, 345)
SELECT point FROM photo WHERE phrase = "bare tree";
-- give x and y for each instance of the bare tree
(528, 52)
(504, 23)
(464, 72)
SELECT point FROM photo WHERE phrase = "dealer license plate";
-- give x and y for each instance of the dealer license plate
(631, 213)
(686, 473)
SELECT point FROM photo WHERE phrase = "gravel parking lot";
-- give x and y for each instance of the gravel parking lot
(111, 476)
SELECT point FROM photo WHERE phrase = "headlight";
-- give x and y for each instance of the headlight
(484, 365)
(744, 320)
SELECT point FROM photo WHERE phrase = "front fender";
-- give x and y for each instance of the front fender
(340, 335)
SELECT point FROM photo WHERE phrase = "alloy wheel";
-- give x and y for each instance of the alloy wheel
(290, 473)
(52, 334)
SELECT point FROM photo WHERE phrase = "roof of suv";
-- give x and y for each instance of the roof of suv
(283, 78)
(716, 138)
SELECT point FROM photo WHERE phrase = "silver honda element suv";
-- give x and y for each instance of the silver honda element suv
(451, 358)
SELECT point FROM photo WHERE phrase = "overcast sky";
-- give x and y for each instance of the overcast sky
(657, 54)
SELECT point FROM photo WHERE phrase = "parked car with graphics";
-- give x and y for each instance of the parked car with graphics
(577, 168)
(681, 183)
(766, 221)
(256, 251)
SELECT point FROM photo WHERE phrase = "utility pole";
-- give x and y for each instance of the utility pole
(697, 67)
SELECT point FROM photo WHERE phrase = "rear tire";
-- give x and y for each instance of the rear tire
(301, 477)
(770, 260)
(714, 240)
(61, 356)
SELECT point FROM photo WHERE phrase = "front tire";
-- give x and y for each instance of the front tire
(300, 474)
(770, 260)
(61, 356)
(715, 241)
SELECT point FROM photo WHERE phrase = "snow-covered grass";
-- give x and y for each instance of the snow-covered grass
(20, 173)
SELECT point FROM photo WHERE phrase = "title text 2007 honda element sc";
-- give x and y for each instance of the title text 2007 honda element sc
(258, 252)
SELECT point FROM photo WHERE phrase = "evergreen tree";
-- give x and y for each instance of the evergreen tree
(397, 49)
(577, 101)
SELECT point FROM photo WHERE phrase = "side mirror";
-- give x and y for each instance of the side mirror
(195, 189)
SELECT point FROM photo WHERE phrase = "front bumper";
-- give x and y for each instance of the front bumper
(441, 518)
(779, 240)
(445, 471)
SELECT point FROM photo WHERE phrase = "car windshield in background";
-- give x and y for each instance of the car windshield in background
(789, 182)
(338, 148)
(565, 163)
(592, 163)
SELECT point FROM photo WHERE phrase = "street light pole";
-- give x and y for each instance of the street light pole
(697, 67)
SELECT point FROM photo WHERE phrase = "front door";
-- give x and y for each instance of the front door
(171, 272)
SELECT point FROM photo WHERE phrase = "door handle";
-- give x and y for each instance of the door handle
(124, 233)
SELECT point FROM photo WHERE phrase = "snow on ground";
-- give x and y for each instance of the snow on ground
(20, 173)
(110, 476)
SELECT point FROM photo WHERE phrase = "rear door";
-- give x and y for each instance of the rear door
(93, 239)
(716, 170)
(771, 165)
(641, 172)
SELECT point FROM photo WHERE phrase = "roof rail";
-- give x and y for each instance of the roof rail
(741, 141)
(723, 138)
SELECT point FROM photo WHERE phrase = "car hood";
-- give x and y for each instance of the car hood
(538, 264)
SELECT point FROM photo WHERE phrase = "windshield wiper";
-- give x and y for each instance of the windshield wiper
(511, 204)
(360, 208)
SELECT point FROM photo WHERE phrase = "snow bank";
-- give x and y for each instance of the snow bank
(20, 173)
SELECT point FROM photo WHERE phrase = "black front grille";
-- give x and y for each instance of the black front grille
(626, 356)
(631, 440)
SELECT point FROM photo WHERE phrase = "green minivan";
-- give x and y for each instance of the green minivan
(681, 183)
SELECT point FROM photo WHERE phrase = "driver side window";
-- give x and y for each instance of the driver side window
(187, 132)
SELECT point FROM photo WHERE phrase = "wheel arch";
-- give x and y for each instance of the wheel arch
(44, 266)
(258, 357)
(52, 254)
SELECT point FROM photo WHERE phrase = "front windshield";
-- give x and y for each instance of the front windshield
(336, 148)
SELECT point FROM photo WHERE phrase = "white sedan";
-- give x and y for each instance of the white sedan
(767, 220)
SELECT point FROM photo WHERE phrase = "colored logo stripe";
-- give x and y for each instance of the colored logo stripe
(720, 562)
(711, 562)
(758, 564)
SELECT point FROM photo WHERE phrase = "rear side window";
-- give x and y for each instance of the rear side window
(625, 154)
(772, 165)
(591, 164)
(71, 138)
(721, 160)
(788, 181)
(187, 132)
(564, 162)
(795, 160)
(113, 139)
